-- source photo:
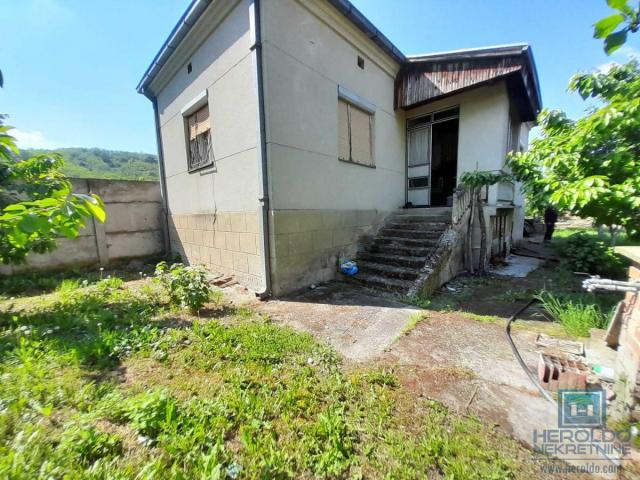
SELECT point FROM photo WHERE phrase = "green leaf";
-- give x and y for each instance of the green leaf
(620, 5)
(33, 223)
(606, 26)
(614, 41)
(95, 206)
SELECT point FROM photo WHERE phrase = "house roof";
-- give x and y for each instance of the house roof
(430, 77)
(436, 74)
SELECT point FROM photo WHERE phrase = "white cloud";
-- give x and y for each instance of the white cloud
(623, 55)
(33, 139)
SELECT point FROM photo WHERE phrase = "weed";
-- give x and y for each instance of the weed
(419, 301)
(187, 286)
(413, 321)
(576, 317)
(95, 384)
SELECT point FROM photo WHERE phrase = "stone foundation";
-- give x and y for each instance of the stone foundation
(225, 243)
(307, 244)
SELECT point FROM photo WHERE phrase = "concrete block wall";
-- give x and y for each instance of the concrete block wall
(224, 242)
(134, 229)
(307, 244)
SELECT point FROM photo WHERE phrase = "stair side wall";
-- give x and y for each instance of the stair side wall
(447, 260)
(306, 245)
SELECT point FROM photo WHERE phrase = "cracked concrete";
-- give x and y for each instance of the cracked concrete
(357, 324)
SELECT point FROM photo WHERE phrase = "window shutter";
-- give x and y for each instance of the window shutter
(360, 136)
(343, 131)
(203, 119)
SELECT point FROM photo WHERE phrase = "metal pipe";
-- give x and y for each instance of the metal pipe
(596, 283)
(263, 184)
(531, 376)
(163, 177)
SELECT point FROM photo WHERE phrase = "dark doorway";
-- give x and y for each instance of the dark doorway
(444, 161)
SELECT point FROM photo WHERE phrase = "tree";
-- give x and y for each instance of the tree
(589, 167)
(37, 204)
(476, 181)
(608, 27)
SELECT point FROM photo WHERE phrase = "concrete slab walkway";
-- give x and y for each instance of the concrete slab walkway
(357, 324)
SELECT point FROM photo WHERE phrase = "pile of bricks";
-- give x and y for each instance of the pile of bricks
(556, 372)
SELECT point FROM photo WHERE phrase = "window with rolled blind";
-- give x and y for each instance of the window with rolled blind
(355, 137)
(199, 132)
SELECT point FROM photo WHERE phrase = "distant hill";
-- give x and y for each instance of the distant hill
(99, 163)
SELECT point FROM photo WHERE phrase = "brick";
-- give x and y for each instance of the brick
(342, 236)
(226, 259)
(279, 246)
(198, 237)
(219, 240)
(240, 262)
(238, 223)
(207, 238)
(301, 242)
(309, 221)
(214, 256)
(248, 243)
(286, 222)
(255, 264)
(232, 241)
(251, 220)
(222, 222)
(322, 240)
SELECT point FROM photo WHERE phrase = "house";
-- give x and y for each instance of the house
(292, 134)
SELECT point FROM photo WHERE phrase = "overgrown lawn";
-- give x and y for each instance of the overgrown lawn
(111, 381)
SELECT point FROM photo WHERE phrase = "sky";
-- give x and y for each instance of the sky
(70, 67)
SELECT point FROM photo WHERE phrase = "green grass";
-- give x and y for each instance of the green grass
(576, 316)
(413, 321)
(622, 238)
(108, 381)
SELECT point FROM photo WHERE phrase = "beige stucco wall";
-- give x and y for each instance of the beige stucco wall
(322, 207)
(310, 49)
(134, 228)
(213, 211)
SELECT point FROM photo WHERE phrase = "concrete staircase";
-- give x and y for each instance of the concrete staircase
(394, 259)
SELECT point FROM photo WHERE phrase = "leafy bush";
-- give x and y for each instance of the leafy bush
(576, 317)
(187, 286)
(585, 253)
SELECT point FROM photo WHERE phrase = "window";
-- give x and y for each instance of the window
(199, 136)
(355, 134)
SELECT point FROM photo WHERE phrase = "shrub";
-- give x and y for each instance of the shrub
(576, 316)
(187, 286)
(585, 253)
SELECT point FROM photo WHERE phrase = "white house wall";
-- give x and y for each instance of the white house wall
(321, 205)
(213, 211)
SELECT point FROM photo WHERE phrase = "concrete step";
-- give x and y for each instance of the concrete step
(381, 282)
(407, 233)
(407, 242)
(425, 226)
(396, 260)
(401, 250)
(420, 214)
(389, 271)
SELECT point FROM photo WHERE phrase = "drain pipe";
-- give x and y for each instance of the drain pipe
(163, 178)
(263, 184)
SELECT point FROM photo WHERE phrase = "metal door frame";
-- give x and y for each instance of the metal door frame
(428, 123)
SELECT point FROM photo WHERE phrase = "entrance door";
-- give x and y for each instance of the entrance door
(432, 158)
(419, 168)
